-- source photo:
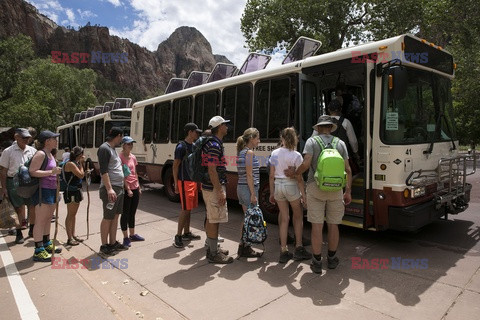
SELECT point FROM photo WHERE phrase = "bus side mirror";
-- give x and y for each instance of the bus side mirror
(397, 82)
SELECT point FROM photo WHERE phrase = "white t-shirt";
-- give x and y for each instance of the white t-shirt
(13, 157)
(282, 158)
(65, 156)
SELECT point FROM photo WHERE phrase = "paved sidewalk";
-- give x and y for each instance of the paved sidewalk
(181, 284)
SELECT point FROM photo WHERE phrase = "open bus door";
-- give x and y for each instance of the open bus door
(310, 107)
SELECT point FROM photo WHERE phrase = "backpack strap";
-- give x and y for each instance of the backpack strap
(320, 141)
(63, 175)
(334, 142)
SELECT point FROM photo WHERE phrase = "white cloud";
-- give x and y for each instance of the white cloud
(86, 14)
(217, 20)
(116, 3)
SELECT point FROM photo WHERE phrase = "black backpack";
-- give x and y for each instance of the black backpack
(197, 170)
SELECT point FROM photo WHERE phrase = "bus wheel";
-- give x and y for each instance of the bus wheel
(270, 211)
(169, 186)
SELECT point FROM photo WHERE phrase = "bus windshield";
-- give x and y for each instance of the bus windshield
(423, 115)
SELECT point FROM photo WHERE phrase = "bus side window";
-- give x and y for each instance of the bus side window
(148, 124)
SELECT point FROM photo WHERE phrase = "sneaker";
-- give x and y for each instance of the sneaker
(136, 237)
(316, 265)
(190, 236)
(301, 253)
(106, 250)
(117, 246)
(127, 242)
(41, 255)
(285, 256)
(49, 247)
(247, 251)
(219, 258)
(332, 262)
(178, 242)
(19, 237)
(224, 251)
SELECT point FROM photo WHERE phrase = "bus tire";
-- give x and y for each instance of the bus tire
(270, 211)
(169, 186)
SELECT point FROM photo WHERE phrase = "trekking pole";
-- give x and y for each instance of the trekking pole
(56, 217)
(88, 199)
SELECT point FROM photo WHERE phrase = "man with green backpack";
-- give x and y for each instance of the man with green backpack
(327, 158)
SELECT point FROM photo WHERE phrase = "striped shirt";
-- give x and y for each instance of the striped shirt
(213, 151)
(242, 168)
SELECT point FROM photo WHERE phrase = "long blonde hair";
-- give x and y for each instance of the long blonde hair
(289, 135)
(242, 141)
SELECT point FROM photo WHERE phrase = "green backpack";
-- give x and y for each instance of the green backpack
(330, 174)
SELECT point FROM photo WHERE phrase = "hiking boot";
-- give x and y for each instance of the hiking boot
(316, 265)
(285, 256)
(332, 262)
(19, 237)
(219, 249)
(41, 255)
(247, 251)
(301, 253)
(178, 242)
(106, 250)
(49, 247)
(136, 237)
(219, 258)
(117, 246)
(189, 236)
(127, 242)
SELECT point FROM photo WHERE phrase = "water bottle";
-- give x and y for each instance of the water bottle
(110, 205)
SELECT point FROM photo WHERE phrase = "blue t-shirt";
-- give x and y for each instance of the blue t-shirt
(212, 153)
(183, 148)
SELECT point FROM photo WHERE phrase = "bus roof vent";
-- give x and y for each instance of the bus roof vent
(196, 78)
(175, 84)
(123, 103)
(90, 112)
(254, 62)
(98, 110)
(303, 48)
(83, 115)
(108, 106)
(76, 117)
(222, 71)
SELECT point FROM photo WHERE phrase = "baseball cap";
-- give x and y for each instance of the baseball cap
(23, 132)
(127, 139)
(216, 121)
(47, 134)
(192, 126)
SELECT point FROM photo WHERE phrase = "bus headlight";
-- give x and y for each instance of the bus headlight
(417, 192)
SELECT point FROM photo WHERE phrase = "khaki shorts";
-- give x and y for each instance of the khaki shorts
(319, 202)
(286, 190)
(215, 213)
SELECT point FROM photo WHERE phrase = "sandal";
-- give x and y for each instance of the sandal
(72, 242)
(77, 239)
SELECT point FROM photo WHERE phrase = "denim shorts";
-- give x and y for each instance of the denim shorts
(286, 190)
(48, 196)
(243, 193)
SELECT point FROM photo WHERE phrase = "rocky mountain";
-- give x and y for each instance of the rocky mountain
(146, 73)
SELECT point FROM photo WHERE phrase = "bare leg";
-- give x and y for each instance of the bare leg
(297, 221)
(317, 238)
(283, 219)
(104, 229)
(333, 236)
(112, 232)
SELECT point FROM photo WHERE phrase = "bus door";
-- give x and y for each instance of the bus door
(310, 106)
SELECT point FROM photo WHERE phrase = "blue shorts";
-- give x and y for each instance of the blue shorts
(48, 196)
(243, 193)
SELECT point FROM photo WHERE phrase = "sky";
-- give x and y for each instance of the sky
(149, 22)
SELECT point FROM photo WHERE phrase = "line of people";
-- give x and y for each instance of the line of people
(287, 188)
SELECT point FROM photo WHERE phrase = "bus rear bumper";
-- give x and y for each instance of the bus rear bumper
(413, 217)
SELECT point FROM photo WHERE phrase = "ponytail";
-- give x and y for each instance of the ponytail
(248, 134)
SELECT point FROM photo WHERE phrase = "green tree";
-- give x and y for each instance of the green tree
(48, 94)
(15, 55)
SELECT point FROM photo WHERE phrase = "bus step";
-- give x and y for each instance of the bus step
(351, 221)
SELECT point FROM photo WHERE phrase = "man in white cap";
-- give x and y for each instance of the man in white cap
(214, 193)
(12, 158)
(324, 205)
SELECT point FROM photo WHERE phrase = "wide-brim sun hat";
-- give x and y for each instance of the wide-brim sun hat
(325, 120)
